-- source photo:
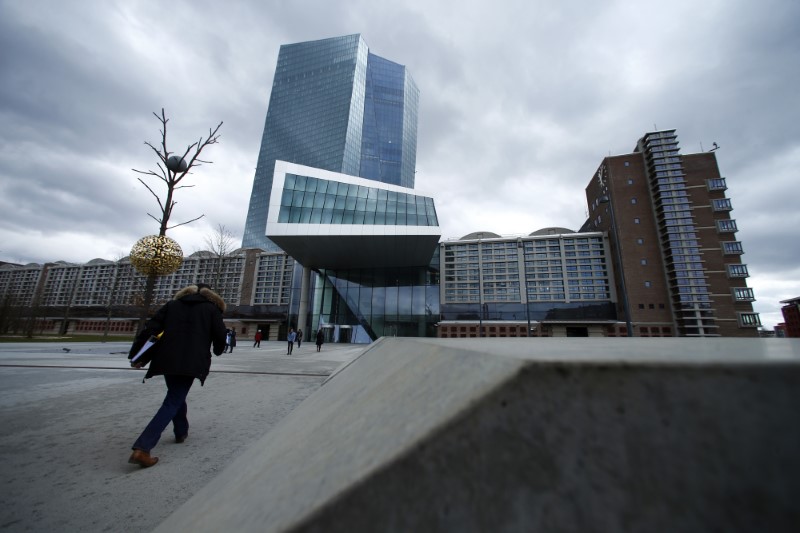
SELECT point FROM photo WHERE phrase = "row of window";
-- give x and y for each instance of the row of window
(336, 189)
(273, 280)
(294, 215)
(473, 295)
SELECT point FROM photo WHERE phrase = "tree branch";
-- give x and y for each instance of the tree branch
(213, 138)
(157, 151)
(154, 194)
(151, 173)
(187, 222)
(172, 178)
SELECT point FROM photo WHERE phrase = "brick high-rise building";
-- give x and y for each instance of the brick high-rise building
(668, 220)
(791, 315)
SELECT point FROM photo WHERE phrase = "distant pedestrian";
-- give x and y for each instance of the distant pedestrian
(291, 337)
(258, 339)
(320, 339)
(190, 323)
(232, 341)
(227, 340)
(299, 337)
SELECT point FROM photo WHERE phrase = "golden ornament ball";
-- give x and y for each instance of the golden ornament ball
(156, 255)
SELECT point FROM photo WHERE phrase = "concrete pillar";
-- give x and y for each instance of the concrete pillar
(303, 311)
(421, 320)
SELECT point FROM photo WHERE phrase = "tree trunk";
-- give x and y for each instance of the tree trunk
(149, 289)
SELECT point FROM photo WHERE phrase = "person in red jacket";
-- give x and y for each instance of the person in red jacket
(192, 326)
(258, 339)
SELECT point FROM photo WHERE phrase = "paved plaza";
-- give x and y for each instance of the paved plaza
(69, 419)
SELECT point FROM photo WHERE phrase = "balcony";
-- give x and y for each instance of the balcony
(721, 205)
(732, 248)
(738, 271)
(727, 226)
(716, 184)
(749, 320)
(743, 294)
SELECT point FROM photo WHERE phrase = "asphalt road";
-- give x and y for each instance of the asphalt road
(68, 420)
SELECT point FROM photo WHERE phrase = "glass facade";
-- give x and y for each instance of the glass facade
(336, 107)
(388, 146)
(564, 277)
(309, 200)
(360, 305)
(533, 311)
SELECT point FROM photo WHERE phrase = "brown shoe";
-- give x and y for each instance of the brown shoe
(179, 440)
(142, 458)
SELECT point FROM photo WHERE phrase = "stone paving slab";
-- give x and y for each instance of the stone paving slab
(68, 421)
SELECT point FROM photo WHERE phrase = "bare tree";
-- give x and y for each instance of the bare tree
(10, 314)
(221, 243)
(172, 169)
(72, 291)
(113, 297)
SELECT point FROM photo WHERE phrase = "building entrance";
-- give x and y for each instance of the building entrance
(575, 331)
(345, 334)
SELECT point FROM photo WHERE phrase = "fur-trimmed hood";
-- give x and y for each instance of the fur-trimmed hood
(205, 292)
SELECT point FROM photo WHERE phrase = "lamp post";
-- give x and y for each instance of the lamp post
(606, 198)
(480, 284)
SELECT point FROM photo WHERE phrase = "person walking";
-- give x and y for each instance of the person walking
(232, 340)
(191, 323)
(227, 340)
(258, 339)
(320, 339)
(291, 337)
(299, 337)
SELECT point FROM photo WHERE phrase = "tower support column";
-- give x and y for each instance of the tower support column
(302, 313)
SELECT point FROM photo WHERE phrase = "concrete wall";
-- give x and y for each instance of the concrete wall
(509, 435)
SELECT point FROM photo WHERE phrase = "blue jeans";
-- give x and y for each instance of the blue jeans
(173, 409)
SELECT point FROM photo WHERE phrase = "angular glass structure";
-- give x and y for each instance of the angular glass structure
(360, 305)
(337, 107)
(306, 199)
(328, 219)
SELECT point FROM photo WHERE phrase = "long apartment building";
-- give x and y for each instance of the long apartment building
(554, 282)
(255, 285)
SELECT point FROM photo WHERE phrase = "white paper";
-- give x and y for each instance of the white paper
(147, 345)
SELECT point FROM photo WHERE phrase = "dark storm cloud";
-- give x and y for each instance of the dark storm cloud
(55, 91)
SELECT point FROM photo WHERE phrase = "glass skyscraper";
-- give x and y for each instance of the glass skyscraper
(335, 106)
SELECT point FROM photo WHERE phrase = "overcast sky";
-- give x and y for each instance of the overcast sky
(519, 103)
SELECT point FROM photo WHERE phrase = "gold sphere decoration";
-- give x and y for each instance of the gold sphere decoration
(156, 255)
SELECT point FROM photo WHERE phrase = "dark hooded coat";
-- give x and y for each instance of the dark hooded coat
(192, 325)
